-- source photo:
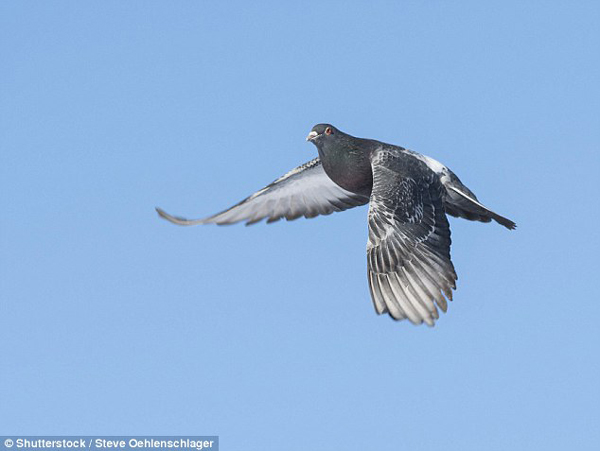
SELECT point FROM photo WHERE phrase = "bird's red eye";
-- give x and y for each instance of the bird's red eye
(328, 131)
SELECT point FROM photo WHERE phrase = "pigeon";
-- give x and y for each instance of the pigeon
(409, 269)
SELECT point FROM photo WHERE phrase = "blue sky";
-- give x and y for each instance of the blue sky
(116, 322)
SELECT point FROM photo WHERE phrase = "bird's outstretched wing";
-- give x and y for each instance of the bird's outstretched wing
(304, 191)
(408, 252)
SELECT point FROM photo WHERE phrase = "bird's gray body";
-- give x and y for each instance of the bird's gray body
(348, 164)
(410, 273)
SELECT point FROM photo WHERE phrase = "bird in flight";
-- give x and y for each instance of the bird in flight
(409, 270)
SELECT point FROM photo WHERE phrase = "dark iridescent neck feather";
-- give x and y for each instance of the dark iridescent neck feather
(347, 162)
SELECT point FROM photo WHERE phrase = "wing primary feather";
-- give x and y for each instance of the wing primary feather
(428, 288)
(401, 298)
(178, 220)
(414, 300)
(376, 295)
(393, 306)
(416, 287)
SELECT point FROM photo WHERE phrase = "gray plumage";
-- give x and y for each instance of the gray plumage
(409, 270)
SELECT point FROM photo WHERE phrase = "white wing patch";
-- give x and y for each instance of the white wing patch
(442, 171)
(434, 165)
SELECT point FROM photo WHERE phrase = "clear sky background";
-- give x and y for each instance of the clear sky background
(113, 321)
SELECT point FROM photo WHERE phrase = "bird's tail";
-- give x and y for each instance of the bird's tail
(462, 203)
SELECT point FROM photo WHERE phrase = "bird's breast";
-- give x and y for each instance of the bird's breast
(350, 171)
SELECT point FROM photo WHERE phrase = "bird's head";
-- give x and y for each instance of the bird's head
(322, 134)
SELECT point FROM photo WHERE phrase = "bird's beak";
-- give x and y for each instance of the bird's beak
(312, 135)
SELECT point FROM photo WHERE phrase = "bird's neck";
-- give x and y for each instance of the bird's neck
(349, 167)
